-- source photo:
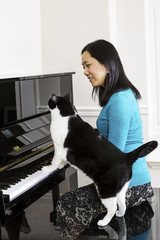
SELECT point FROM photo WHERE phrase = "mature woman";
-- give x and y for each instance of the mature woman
(119, 121)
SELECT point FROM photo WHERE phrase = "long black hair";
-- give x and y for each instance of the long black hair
(116, 79)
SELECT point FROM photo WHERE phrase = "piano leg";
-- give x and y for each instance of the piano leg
(55, 197)
(2, 213)
(69, 184)
(0, 232)
(13, 227)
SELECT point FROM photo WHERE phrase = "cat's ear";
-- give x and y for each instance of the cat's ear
(67, 96)
(54, 98)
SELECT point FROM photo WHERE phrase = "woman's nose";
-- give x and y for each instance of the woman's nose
(86, 72)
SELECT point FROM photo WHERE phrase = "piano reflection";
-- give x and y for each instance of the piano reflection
(26, 145)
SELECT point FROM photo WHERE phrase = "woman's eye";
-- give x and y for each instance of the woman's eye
(86, 66)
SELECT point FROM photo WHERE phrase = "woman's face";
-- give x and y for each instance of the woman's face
(95, 71)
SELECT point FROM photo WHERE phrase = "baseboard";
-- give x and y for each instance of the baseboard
(91, 111)
(94, 111)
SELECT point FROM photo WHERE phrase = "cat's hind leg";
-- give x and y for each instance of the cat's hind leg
(111, 206)
(121, 200)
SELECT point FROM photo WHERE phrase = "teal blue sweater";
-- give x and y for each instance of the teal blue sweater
(119, 121)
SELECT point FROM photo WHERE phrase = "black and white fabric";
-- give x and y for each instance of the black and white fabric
(76, 210)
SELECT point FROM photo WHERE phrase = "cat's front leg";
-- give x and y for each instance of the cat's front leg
(111, 206)
(57, 163)
(62, 164)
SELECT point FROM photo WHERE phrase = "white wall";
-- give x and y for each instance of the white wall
(129, 38)
(20, 41)
(152, 37)
(67, 26)
(131, 41)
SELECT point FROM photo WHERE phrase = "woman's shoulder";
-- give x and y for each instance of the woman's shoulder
(121, 97)
(123, 100)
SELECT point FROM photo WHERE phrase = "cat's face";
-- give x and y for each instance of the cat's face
(63, 104)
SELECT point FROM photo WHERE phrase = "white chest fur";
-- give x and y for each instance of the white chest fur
(59, 131)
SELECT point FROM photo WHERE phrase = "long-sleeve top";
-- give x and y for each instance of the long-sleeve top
(119, 121)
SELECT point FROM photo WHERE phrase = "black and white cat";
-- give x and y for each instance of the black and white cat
(78, 144)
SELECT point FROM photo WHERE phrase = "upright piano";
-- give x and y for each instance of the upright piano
(26, 145)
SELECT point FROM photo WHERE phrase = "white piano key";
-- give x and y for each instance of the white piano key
(25, 184)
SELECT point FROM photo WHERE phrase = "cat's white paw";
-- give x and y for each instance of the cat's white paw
(102, 223)
(120, 213)
(62, 165)
(49, 169)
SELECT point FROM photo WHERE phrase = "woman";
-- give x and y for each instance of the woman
(119, 121)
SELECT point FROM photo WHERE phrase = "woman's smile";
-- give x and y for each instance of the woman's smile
(93, 70)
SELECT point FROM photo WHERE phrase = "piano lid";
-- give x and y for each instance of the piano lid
(24, 137)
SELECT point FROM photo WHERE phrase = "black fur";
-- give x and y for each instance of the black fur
(104, 163)
(63, 104)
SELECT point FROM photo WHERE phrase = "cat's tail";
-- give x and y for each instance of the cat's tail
(142, 151)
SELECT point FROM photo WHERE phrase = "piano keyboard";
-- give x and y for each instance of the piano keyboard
(25, 184)
(18, 180)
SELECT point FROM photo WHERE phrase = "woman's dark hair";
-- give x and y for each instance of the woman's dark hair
(116, 79)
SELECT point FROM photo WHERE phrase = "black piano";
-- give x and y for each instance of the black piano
(26, 145)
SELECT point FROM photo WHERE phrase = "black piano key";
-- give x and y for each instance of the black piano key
(15, 175)
(11, 179)
(8, 182)
(4, 187)
(19, 177)
(39, 167)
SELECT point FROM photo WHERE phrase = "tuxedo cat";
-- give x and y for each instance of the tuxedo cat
(78, 144)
